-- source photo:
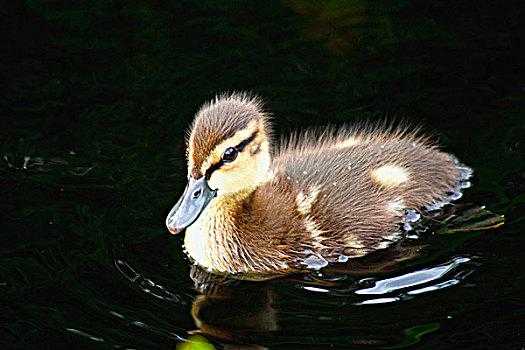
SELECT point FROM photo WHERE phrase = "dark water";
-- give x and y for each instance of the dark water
(96, 101)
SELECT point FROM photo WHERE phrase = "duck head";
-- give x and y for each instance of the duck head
(228, 150)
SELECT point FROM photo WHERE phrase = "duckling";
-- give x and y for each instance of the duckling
(319, 197)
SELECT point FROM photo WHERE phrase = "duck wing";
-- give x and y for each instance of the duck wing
(352, 187)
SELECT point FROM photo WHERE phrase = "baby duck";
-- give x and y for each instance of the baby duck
(320, 197)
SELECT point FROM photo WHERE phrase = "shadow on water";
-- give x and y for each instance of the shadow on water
(99, 94)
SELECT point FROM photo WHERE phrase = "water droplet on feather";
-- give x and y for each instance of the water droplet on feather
(315, 262)
(412, 216)
(455, 195)
(342, 258)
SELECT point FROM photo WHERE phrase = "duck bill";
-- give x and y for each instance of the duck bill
(194, 200)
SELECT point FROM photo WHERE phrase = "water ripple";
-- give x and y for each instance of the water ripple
(412, 279)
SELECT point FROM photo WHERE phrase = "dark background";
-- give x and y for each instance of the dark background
(97, 95)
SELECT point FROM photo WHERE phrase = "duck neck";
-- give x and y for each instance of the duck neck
(213, 241)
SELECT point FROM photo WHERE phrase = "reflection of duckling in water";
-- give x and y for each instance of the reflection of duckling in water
(285, 311)
(233, 313)
(320, 197)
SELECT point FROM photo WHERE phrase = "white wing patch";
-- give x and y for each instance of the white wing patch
(305, 201)
(349, 142)
(390, 175)
(304, 206)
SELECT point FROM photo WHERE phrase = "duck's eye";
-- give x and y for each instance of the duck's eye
(229, 155)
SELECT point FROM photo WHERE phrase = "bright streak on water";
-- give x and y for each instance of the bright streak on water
(378, 301)
(84, 334)
(316, 289)
(412, 279)
(441, 285)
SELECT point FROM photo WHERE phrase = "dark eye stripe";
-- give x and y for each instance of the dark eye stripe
(240, 147)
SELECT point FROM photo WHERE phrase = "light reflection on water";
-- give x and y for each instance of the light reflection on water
(412, 279)
(407, 285)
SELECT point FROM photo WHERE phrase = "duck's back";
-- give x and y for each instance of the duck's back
(350, 189)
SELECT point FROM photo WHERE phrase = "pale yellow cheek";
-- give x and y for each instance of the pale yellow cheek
(247, 171)
(233, 179)
(223, 182)
(390, 175)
